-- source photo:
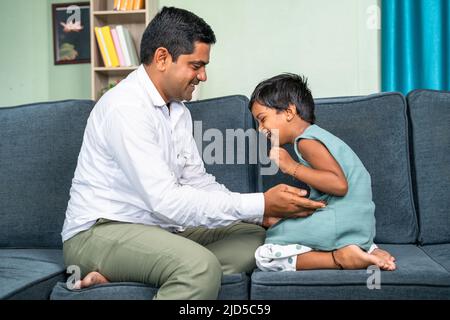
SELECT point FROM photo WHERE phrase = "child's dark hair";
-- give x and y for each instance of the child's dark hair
(176, 30)
(280, 91)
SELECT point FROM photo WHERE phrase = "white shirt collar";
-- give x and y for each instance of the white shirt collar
(176, 107)
(147, 83)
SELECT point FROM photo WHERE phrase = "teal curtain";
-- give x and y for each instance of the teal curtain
(415, 48)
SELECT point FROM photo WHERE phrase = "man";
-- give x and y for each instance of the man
(142, 208)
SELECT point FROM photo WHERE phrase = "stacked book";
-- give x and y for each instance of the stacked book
(126, 5)
(116, 46)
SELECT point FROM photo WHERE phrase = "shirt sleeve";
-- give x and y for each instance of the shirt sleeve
(195, 175)
(132, 138)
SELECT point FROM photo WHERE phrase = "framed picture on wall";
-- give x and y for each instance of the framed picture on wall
(71, 41)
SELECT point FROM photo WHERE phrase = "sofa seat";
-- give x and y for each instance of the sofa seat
(439, 253)
(29, 273)
(40, 274)
(234, 287)
(417, 277)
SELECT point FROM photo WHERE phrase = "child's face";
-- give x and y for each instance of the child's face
(272, 123)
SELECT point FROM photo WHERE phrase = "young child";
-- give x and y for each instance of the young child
(344, 230)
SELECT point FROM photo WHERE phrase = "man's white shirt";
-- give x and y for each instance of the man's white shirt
(139, 163)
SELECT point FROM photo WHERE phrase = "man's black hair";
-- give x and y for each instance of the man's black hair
(280, 91)
(176, 30)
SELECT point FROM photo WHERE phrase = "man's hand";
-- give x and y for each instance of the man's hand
(270, 221)
(283, 159)
(283, 201)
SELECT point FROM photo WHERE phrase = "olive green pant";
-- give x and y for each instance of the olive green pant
(186, 265)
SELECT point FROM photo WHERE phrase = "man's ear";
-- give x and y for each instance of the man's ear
(161, 58)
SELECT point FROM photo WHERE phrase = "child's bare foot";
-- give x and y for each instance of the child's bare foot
(386, 256)
(353, 257)
(91, 279)
(383, 254)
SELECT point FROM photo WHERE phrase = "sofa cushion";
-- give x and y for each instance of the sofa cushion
(221, 117)
(29, 273)
(439, 253)
(375, 127)
(417, 277)
(234, 287)
(39, 148)
(430, 123)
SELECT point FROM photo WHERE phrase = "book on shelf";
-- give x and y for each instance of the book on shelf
(127, 5)
(131, 48)
(119, 51)
(110, 48)
(106, 46)
(117, 4)
(116, 46)
(123, 45)
(138, 5)
(102, 46)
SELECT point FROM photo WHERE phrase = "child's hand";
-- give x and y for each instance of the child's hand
(283, 159)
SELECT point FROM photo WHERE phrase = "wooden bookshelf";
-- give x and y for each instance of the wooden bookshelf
(102, 14)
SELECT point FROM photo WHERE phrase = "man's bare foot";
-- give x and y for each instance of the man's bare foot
(353, 257)
(91, 279)
(382, 254)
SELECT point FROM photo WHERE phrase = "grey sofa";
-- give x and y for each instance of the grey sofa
(404, 143)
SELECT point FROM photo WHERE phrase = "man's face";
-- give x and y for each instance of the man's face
(183, 75)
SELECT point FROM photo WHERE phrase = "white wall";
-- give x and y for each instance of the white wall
(329, 41)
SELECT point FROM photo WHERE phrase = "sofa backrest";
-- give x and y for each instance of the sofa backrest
(375, 127)
(429, 113)
(215, 119)
(39, 146)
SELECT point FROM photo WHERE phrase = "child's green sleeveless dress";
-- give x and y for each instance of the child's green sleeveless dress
(345, 220)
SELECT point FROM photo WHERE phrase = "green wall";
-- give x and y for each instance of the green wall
(23, 61)
(27, 71)
(66, 81)
(327, 40)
